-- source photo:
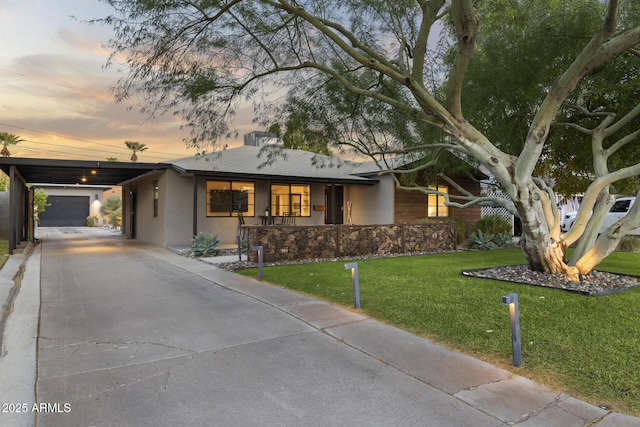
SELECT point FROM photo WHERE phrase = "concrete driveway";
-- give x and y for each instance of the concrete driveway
(134, 335)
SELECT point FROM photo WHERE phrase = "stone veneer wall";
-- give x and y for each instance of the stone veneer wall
(288, 243)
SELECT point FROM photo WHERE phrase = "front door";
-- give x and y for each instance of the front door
(334, 200)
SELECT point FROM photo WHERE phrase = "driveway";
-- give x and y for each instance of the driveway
(134, 335)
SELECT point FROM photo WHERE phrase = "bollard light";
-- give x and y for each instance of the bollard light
(511, 301)
(355, 282)
(260, 251)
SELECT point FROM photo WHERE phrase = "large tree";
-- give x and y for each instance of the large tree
(203, 59)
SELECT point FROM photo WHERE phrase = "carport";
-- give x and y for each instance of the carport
(23, 171)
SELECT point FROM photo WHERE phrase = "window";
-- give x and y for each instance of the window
(621, 206)
(156, 195)
(290, 199)
(227, 198)
(435, 202)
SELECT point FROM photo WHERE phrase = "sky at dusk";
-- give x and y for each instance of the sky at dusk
(55, 91)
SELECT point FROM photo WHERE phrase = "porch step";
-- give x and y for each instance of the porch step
(227, 246)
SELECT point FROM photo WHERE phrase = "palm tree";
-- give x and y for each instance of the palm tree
(135, 147)
(7, 139)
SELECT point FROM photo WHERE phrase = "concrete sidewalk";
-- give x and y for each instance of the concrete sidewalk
(175, 341)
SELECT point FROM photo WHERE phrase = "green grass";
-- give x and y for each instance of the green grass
(4, 252)
(588, 347)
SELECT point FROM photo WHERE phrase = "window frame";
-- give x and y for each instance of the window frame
(439, 199)
(294, 199)
(232, 211)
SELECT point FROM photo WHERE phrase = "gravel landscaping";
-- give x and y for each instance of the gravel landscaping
(594, 283)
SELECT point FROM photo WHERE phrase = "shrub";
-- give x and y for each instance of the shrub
(115, 218)
(204, 245)
(629, 244)
(92, 220)
(493, 224)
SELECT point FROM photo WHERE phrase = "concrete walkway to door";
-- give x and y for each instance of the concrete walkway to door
(135, 335)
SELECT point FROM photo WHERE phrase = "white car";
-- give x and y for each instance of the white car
(617, 211)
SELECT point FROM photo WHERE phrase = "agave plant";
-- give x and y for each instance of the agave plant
(204, 245)
(481, 240)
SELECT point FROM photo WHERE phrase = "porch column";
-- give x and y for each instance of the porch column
(18, 209)
(333, 203)
(195, 206)
(269, 216)
(13, 190)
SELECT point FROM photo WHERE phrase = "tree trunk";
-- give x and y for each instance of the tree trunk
(541, 243)
(549, 258)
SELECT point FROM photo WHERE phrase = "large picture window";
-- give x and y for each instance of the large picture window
(227, 198)
(436, 206)
(290, 199)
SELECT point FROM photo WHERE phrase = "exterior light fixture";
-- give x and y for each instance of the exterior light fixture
(511, 301)
(83, 179)
(260, 251)
(355, 282)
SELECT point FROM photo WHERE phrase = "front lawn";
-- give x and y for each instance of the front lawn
(588, 347)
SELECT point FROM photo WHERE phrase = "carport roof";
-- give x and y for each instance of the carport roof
(72, 171)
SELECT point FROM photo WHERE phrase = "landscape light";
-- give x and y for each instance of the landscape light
(354, 282)
(260, 251)
(511, 301)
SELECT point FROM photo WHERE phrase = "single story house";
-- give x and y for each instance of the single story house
(207, 193)
(168, 203)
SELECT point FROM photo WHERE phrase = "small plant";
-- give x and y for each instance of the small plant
(489, 233)
(244, 245)
(115, 218)
(204, 245)
(480, 240)
(92, 220)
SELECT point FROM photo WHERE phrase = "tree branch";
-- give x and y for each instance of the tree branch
(429, 15)
(466, 24)
(584, 62)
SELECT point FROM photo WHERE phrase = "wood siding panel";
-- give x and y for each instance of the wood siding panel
(411, 206)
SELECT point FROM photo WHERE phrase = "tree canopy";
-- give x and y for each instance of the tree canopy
(509, 73)
(381, 87)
